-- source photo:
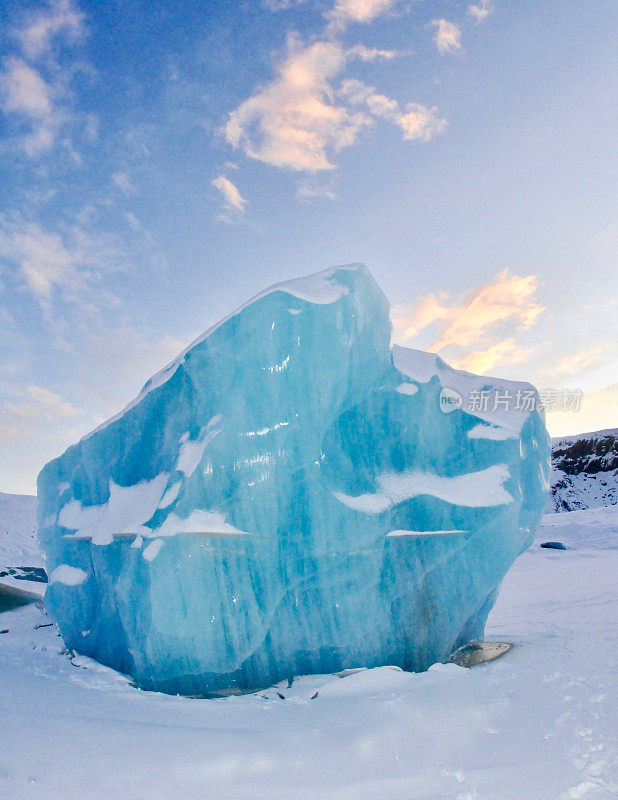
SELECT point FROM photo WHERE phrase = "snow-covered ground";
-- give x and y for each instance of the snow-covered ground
(18, 542)
(537, 724)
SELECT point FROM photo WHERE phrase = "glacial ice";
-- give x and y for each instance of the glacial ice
(288, 497)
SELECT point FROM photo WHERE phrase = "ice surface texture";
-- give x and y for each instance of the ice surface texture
(287, 497)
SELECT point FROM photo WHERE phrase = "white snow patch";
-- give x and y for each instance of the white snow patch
(407, 388)
(127, 509)
(192, 450)
(70, 576)
(497, 434)
(473, 490)
(294, 311)
(170, 495)
(137, 542)
(152, 550)
(200, 521)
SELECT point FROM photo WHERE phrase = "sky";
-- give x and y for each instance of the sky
(162, 162)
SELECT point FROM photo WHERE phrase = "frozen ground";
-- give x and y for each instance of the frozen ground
(18, 542)
(538, 724)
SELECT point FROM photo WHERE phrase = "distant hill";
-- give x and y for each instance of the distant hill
(584, 471)
(18, 543)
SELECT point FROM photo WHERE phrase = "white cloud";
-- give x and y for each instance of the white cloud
(122, 181)
(480, 11)
(312, 187)
(302, 118)
(582, 360)
(32, 91)
(294, 121)
(24, 91)
(420, 122)
(416, 122)
(282, 5)
(232, 198)
(33, 412)
(448, 36)
(364, 53)
(44, 258)
(345, 12)
(25, 94)
(61, 17)
(133, 221)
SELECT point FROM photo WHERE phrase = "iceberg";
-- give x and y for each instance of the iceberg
(292, 495)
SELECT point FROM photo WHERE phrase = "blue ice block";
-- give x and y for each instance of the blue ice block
(291, 495)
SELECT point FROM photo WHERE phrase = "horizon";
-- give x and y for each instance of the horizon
(158, 170)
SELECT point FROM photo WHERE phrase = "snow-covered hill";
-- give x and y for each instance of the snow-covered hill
(585, 471)
(18, 542)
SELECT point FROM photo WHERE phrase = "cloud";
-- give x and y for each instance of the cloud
(44, 258)
(311, 187)
(420, 122)
(24, 91)
(31, 96)
(281, 5)
(448, 36)
(364, 53)
(480, 11)
(409, 322)
(132, 221)
(232, 198)
(416, 122)
(507, 298)
(480, 361)
(509, 301)
(581, 360)
(32, 412)
(122, 181)
(61, 17)
(293, 121)
(345, 12)
(301, 118)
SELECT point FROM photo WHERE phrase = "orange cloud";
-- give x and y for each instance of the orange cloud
(507, 298)
(480, 361)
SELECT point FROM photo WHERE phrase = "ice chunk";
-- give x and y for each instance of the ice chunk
(288, 497)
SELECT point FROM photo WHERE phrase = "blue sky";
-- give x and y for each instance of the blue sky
(162, 162)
